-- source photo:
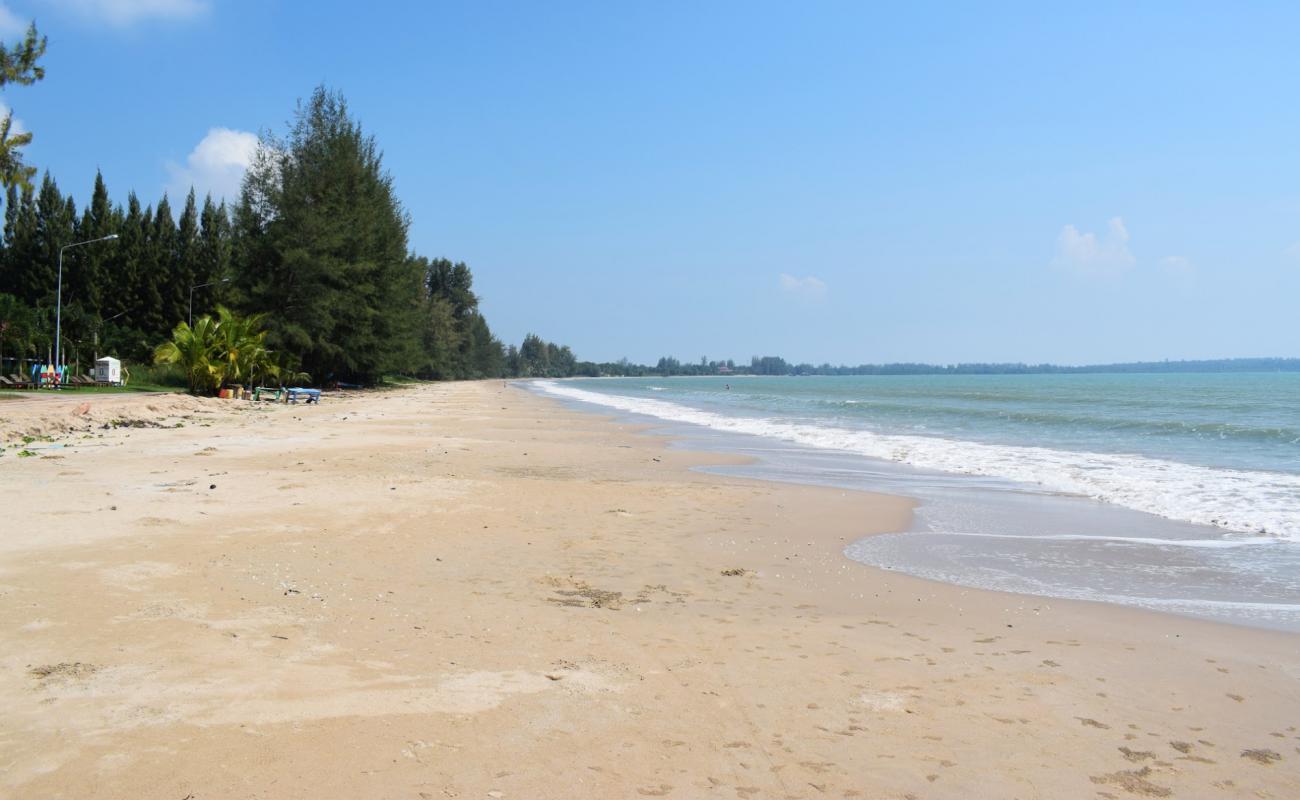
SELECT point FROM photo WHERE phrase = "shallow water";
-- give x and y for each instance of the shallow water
(1004, 532)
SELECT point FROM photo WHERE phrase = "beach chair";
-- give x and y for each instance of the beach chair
(19, 381)
(6, 383)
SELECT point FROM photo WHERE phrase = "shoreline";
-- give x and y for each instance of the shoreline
(458, 588)
(711, 459)
(1027, 540)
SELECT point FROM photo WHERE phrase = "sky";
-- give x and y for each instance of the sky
(844, 182)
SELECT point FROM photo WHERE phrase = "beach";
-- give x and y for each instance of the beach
(469, 590)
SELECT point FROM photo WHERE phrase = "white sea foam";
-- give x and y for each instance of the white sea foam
(1245, 501)
(1208, 544)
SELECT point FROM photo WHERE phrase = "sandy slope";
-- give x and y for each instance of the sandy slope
(464, 590)
(59, 414)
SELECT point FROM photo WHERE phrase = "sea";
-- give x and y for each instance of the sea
(1171, 492)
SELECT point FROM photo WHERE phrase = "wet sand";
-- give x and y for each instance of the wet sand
(465, 590)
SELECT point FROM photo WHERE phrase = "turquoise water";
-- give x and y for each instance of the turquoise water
(1214, 449)
(1172, 492)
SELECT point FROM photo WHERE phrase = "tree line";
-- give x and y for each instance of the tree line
(316, 244)
(775, 365)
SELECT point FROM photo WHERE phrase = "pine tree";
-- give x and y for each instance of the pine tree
(323, 246)
(173, 288)
(149, 278)
(186, 266)
(440, 340)
(54, 229)
(139, 294)
(8, 270)
(86, 284)
(487, 359)
(21, 251)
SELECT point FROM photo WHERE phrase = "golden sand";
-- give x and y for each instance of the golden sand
(464, 590)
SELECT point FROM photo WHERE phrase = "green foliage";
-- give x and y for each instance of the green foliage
(17, 326)
(228, 350)
(19, 64)
(240, 348)
(321, 240)
(194, 350)
(537, 358)
(158, 376)
(317, 247)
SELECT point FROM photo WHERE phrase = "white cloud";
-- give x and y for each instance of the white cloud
(122, 13)
(809, 288)
(11, 24)
(216, 165)
(1086, 254)
(1177, 266)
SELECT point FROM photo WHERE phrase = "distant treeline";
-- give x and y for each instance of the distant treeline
(775, 365)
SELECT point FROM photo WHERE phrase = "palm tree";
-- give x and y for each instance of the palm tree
(194, 350)
(241, 346)
(219, 352)
(284, 368)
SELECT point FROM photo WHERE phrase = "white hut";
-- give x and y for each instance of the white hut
(108, 370)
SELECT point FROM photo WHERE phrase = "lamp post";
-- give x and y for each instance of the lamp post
(200, 286)
(58, 303)
(101, 324)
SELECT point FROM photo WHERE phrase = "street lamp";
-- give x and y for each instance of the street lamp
(58, 303)
(200, 286)
(101, 324)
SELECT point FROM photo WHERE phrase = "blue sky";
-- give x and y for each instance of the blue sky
(849, 182)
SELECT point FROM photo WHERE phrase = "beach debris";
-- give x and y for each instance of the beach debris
(1136, 755)
(63, 670)
(1134, 782)
(735, 572)
(1092, 723)
(1265, 757)
(583, 595)
(212, 486)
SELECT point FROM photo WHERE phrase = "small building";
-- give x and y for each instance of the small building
(108, 370)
